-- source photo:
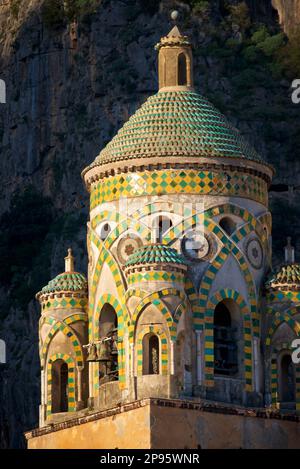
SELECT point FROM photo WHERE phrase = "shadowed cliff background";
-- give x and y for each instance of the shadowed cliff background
(74, 74)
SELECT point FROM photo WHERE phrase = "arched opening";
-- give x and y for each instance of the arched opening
(225, 341)
(151, 358)
(105, 230)
(287, 380)
(228, 225)
(182, 72)
(107, 348)
(161, 225)
(59, 386)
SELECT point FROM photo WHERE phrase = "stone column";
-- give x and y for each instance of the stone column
(172, 358)
(256, 376)
(132, 360)
(91, 380)
(199, 339)
(43, 400)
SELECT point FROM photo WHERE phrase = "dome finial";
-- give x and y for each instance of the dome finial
(69, 261)
(174, 15)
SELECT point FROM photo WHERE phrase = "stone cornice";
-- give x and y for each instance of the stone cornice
(99, 172)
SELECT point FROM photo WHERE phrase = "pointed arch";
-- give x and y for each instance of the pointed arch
(68, 332)
(71, 381)
(219, 296)
(109, 299)
(163, 348)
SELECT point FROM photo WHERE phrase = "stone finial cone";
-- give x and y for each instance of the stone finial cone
(69, 261)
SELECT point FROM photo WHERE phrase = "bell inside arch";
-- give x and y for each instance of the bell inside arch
(103, 351)
(92, 353)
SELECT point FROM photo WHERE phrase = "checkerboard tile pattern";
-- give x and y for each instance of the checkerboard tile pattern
(178, 181)
(155, 276)
(65, 302)
(284, 295)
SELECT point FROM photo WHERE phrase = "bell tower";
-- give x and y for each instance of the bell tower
(175, 61)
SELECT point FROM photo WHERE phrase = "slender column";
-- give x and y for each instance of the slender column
(172, 358)
(256, 363)
(132, 360)
(43, 400)
(79, 398)
(199, 356)
(91, 380)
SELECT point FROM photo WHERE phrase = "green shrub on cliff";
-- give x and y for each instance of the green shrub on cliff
(57, 12)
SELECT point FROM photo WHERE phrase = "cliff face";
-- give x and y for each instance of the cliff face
(70, 86)
(289, 14)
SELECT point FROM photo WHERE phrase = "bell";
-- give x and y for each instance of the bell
(92, 353)
(103, 351)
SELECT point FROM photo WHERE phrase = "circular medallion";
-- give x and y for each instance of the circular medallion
(127, 246)
(254, 253)
(196, 246)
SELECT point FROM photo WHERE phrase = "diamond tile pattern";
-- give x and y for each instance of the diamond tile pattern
(179, 182)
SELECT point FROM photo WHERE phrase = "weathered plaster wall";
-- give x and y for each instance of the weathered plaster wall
(188, 428)
(117, 431)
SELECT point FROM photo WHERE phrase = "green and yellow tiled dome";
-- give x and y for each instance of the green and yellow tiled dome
(288, 277)
(67, 281)
(177, 124)
(155, 254)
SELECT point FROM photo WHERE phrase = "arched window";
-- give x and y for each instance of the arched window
(161, 225)
(228, 225)
(151, 359)
(225, 348)
(59, 389)
(105, 230)
(107, 349)
(182, 73)
(287, 380)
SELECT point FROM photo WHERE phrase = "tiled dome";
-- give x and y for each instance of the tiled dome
(176, 123)
(66, 282)
(287, 277)
(155, 254)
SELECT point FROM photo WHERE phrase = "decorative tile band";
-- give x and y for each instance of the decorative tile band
(71, 382)
(179, 181)
(65, 303)
(155, 276)
(287, 295)
(163, 366)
